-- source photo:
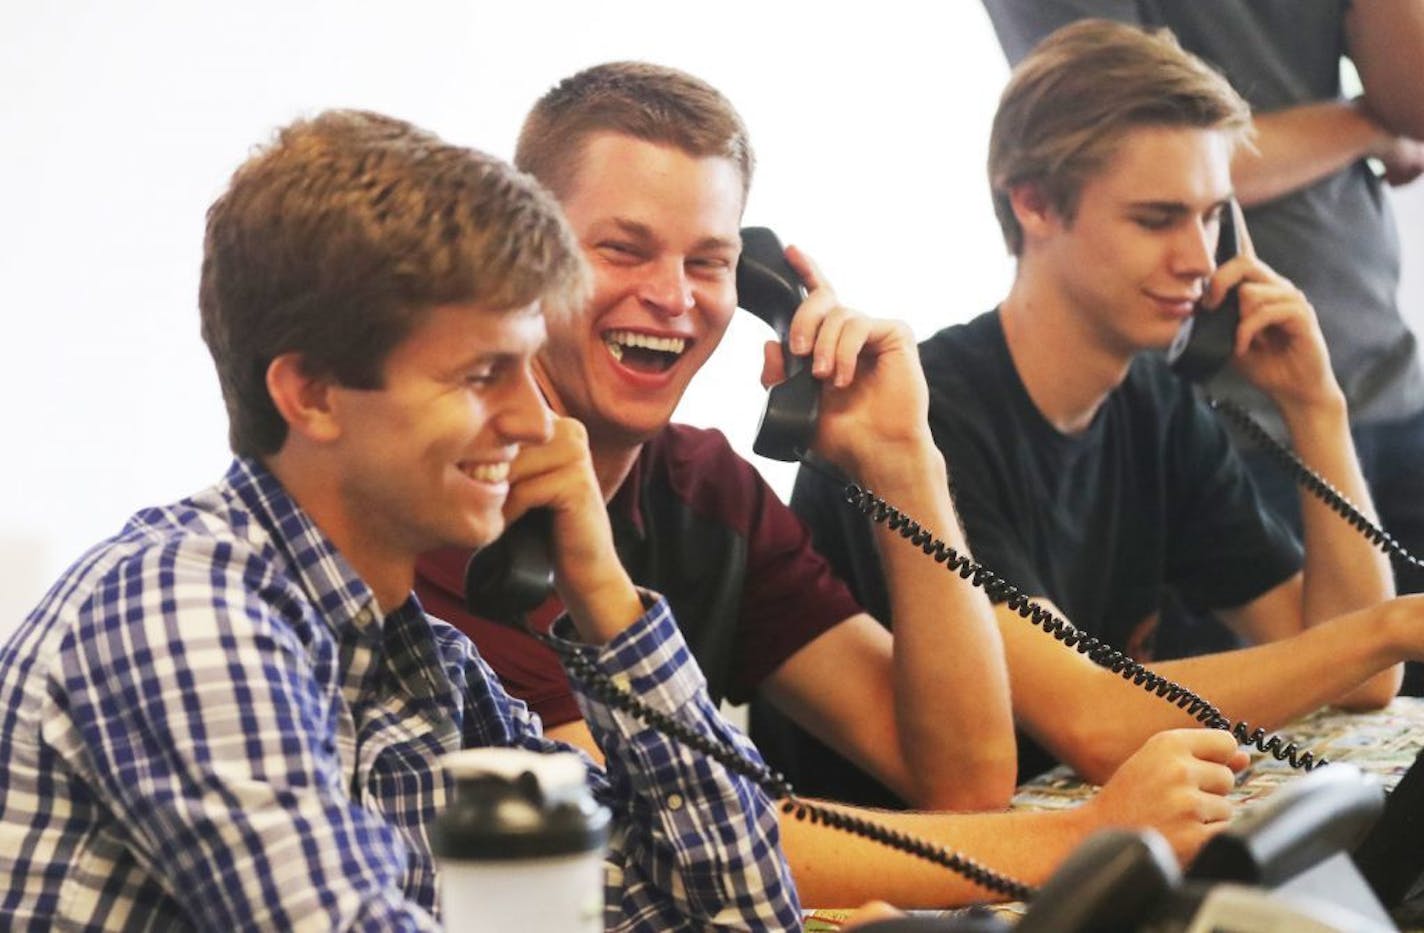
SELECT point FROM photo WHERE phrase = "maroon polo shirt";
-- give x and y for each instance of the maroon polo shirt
(697, 523)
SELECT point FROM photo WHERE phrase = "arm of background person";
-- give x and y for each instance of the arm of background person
(1385, 40)
(1295, 146)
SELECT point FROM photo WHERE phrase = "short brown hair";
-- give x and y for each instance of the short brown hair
(336, 239)
(1069, 103)
(648, 102)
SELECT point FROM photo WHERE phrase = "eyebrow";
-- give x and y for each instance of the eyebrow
(642, 231)
(490, 357)
(1174, 208)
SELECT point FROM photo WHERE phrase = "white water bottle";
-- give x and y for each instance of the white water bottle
(521, 844)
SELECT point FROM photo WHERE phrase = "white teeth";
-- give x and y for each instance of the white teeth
(618, 339)
(486, 472)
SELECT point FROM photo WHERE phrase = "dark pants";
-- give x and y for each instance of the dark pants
(1392, 457)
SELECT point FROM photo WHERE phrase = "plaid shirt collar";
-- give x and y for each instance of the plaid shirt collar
(343, 598)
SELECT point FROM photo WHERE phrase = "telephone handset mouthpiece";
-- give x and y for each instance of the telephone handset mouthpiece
(513, 575)
(770, 288)
(1207, 339)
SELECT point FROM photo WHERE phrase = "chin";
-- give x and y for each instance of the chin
(478, 535)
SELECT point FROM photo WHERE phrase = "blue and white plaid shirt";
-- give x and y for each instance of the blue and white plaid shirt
(207, 723)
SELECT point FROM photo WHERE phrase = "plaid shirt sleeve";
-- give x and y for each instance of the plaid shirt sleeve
(698, 846)
(193, 711)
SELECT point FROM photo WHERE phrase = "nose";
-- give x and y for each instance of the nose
(666, 288)
(525, 418)
(1193, 254)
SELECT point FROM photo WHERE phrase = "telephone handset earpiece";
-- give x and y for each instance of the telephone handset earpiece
(769, 288)
(1206, 340)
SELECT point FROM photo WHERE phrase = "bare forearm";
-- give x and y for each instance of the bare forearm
(952, 706)
(835, 869)
(1271, 684)
(1386, 43)
(1301, 145)
(1343, 570)
(1094, 720)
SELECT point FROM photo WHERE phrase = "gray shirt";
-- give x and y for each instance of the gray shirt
(1336, 238)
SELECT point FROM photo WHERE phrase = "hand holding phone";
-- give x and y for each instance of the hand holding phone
(868, 370)
(560, 538)
(1262, 321)
(1206, 341)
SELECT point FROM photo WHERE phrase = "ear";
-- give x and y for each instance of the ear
(304, 402)
(1035, 213)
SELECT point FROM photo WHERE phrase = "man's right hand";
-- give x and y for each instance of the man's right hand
(874, 401)
(1177, 784)
(558, 475)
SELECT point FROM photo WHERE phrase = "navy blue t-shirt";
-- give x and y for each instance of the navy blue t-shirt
(1150, 496)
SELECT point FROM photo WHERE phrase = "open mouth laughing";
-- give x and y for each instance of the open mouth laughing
(644, 353)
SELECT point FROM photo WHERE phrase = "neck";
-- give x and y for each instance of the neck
(375, 557)
(1043, 332)
(611, 464)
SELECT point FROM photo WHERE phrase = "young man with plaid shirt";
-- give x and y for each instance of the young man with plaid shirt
(230, 714)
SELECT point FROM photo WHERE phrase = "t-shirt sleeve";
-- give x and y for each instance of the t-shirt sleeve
(791, 595)
(1021, 24)
(1225, 547)
(982, 483)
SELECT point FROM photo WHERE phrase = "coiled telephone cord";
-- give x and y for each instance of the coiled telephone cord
(1105, 655)
(1313, 482)
(774, 783)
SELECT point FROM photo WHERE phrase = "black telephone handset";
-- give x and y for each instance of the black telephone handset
(769, 288)
(1205, 342)
(514, 575)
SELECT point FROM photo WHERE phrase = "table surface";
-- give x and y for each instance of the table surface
(1382, 743)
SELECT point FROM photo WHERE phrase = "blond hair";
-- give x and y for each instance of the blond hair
(1071, 101)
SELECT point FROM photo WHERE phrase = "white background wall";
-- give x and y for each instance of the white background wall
(120, 121)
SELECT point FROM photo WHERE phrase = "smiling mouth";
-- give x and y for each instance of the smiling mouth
(486, 472)
(644, 353)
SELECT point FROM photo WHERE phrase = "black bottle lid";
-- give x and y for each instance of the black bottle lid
(512, 804)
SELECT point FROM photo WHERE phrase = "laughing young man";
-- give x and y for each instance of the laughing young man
(652, 168)
(230, 715)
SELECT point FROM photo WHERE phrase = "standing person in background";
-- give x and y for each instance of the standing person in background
(1316, 211)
